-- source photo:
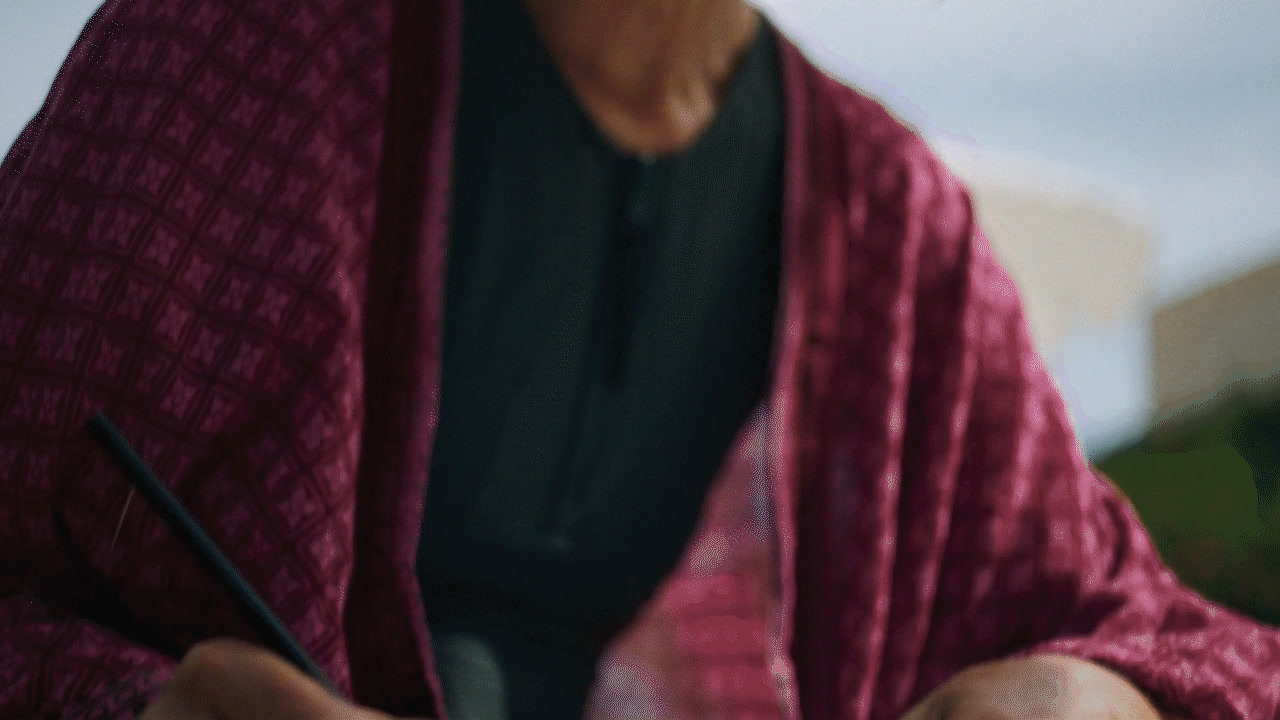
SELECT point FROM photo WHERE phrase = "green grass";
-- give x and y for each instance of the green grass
(1198, 498)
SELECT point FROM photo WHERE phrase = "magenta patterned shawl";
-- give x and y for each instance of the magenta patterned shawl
(198, 235)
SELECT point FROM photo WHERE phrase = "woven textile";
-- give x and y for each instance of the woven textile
(200, 235)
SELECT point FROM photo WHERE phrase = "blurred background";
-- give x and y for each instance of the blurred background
(1125, 162)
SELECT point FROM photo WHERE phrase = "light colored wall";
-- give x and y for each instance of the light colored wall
(1078, 250)
(1075, 263)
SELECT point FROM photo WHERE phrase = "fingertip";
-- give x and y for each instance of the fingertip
(242, 681)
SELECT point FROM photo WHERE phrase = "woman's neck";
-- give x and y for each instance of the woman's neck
(650, 73)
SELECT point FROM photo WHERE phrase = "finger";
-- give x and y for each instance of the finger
(926, 709)
(173, 704)
(241, 681)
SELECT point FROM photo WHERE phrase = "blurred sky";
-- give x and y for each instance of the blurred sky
(1174, 102)
(1177, 99)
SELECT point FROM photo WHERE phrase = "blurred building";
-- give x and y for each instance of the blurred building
(1217, 346)
(1216, 358)
(1206, 478)
(1077, 247)
(1205, 475)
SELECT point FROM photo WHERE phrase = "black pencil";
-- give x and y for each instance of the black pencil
(269, 628)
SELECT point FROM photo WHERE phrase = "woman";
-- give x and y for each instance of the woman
(671, 242)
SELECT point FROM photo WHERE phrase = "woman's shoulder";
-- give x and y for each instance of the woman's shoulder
(834, 105)
(858, 153)
(861, 139)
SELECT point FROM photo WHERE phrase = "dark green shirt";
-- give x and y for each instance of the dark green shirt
(608, 326)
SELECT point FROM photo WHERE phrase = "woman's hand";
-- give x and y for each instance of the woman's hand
(228, 679)
(1038, 687)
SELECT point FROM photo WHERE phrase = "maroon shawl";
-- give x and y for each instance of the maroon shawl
(209, 232)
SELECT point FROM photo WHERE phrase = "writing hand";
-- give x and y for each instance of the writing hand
(227, 679)
(1037, 687)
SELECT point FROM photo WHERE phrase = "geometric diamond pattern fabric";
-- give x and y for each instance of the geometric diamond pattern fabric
(183, 237)
(208, 233)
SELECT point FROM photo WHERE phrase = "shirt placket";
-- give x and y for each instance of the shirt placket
(617, 310)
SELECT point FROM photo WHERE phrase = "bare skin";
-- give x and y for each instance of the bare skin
(658, 81)
(651, 89)
(1054, 687)
(227, 679)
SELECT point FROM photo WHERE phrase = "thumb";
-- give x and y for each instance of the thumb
(172, 705)
(235, 680)
(930, 708)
